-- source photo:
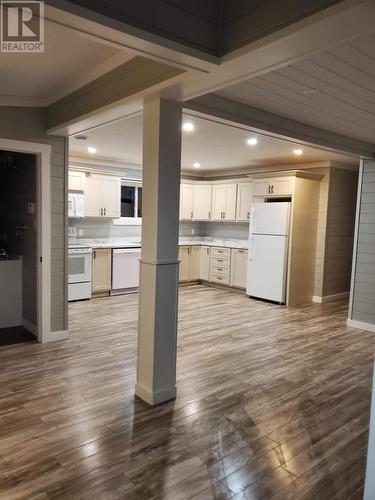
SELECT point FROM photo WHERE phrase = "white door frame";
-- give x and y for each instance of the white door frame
(43, 195)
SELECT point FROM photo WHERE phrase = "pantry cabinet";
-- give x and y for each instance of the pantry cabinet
(186, 201)
(224, 197)
(244, 200)
(238, 271)
(103, 196)
(101, 270)
(76, 180)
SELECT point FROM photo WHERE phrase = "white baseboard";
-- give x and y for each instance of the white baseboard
(55, 336)
(154, 398)
(330, 298)
(361, 325)
(30, 327)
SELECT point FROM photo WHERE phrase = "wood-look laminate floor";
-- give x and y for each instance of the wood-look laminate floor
(272, 403)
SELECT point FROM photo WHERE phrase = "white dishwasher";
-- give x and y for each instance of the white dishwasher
(125, 270)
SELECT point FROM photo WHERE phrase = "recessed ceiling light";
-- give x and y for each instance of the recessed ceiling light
(197, 165)
(252, 141)
(298, 152)
(188, 127)
(91, 150)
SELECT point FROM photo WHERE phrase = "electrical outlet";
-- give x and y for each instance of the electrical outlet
(72, 232)
(80, 232)
(193, 232)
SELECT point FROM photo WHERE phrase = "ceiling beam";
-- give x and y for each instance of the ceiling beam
(103, 98)
(232, 112)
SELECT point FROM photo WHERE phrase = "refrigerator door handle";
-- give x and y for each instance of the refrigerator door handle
(251, 248)
(251, 225)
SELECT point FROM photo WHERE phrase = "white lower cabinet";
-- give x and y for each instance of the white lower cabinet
(205, 255)
(101, 270)
(220, 265)
(238, 272)
(185, 263)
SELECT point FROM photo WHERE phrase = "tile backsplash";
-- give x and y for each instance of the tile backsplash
(88, 228)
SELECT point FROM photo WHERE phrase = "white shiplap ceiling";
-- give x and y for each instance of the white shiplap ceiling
(333, 90)
(217, 147)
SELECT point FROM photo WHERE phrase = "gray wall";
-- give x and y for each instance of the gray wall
(27, 124)
(364, 277)
(340, 231)
(17, 188)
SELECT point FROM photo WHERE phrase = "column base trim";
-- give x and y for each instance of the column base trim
(330, 298)
(360, 325)
(155, 398)
(55, 336)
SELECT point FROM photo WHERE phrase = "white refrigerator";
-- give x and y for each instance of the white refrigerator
(268, 251)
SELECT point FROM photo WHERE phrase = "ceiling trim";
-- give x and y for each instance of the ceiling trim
(120, 34)
(232, 112)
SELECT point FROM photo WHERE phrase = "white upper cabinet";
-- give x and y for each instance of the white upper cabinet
(103, 196)
(244, 200)
(224, 197)
(277, 186)
(202, 201)
(92, 196)
(186, 201)
(111, 196)
(76, 180)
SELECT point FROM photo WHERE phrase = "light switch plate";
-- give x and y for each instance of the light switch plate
(72, 232)
(31, 208)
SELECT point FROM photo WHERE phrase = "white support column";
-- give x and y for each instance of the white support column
(158, 301)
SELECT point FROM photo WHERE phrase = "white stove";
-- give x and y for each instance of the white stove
(79, 274)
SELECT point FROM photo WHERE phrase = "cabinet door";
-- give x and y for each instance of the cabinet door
(186, 201)
(219, 193)
(244, 200)
(101, 270)
(238, 271)
(282, 186)
(185, 263)
(205, 255)
(261, 187)
(202, 202)
(195, 263)
(76, 180)
(230, 202)
(111, 196)
(93, 196)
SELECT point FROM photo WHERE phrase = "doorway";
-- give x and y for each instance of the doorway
(25, 241)
(18, 247)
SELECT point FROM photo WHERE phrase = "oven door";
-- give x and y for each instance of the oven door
(79, 266)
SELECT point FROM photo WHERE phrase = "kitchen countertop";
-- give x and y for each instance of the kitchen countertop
(135, 243)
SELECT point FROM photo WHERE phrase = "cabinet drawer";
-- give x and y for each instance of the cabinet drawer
(224, 280)
(220, 271)
(221, 262)
(220, 252)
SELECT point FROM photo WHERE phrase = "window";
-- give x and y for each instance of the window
(131, 204)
